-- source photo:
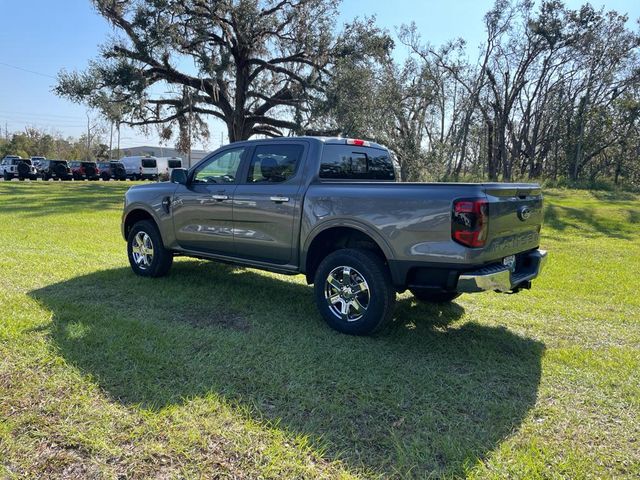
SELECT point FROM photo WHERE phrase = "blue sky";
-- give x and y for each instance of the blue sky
(40, 37)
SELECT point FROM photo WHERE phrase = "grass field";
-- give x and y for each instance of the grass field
(228, 372)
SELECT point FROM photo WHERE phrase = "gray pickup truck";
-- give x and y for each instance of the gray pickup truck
(333, 210)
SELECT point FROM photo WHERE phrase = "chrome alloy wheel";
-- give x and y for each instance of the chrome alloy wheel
(142, 250)
(347, 293)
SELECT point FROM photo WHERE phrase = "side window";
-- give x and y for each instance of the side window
(222, 168)
(274, 163)
(345, 163)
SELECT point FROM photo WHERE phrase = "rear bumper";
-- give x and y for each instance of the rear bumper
(500, 278)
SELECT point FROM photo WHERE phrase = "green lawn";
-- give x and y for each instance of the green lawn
(230, 372)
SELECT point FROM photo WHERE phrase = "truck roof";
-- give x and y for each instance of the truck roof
(326, 140)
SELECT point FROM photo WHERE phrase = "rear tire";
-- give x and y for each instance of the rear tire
(353, 291)
(434, 297)
(147, 255)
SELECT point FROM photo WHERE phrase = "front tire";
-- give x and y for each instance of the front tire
(353, 291)
(434, 297)
(147, 255)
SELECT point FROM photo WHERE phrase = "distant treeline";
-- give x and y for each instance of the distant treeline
(36, 142)
(552, 93)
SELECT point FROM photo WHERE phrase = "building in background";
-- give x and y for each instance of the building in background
(196, 155)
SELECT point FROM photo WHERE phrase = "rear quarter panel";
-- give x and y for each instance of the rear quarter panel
(411, 222)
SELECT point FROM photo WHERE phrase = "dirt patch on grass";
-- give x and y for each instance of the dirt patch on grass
(213, 318)
(62, 461)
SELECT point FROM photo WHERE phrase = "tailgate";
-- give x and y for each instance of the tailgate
(515, 218)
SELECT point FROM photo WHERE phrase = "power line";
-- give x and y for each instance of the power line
(27, 70)
(38, 114)
(47, 121)
(36, 121)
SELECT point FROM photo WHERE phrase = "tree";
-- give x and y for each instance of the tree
(250, 63)
(553, 92)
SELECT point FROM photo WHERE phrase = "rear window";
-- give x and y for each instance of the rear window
(174, 163)
(274, 163)
(348, 162)
(148, 163)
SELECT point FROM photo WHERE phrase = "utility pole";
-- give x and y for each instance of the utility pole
(88, 139)
(111, 141)
(190, 120)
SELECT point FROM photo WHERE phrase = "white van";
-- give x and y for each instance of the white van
(167, 164)
(140, 167)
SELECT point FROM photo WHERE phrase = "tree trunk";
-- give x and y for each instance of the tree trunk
(492, 170)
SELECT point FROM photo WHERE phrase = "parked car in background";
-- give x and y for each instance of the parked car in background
(166, 166)
(112, 169)
(13, 166)
(55, 169)
(140, 167)
(84, 170)
(36, 161)
(332, 209)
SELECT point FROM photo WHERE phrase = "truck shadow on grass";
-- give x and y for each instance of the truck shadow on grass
(430, 395)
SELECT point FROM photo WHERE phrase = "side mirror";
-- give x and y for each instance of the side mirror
(179, 175)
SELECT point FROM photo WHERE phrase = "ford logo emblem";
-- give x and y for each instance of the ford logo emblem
(524, 213)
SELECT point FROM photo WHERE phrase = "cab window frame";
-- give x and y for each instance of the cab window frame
(210, 158)
(296, 171)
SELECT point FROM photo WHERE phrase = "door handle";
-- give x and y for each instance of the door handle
(220, 197)
(279, 199)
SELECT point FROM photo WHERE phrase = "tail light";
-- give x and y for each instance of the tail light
(140, 169)
(470, 222)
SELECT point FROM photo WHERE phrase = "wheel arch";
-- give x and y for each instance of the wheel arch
(134, 216)
(328, 238)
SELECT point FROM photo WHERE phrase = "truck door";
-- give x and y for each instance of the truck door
(203, 209)
(267, 202)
